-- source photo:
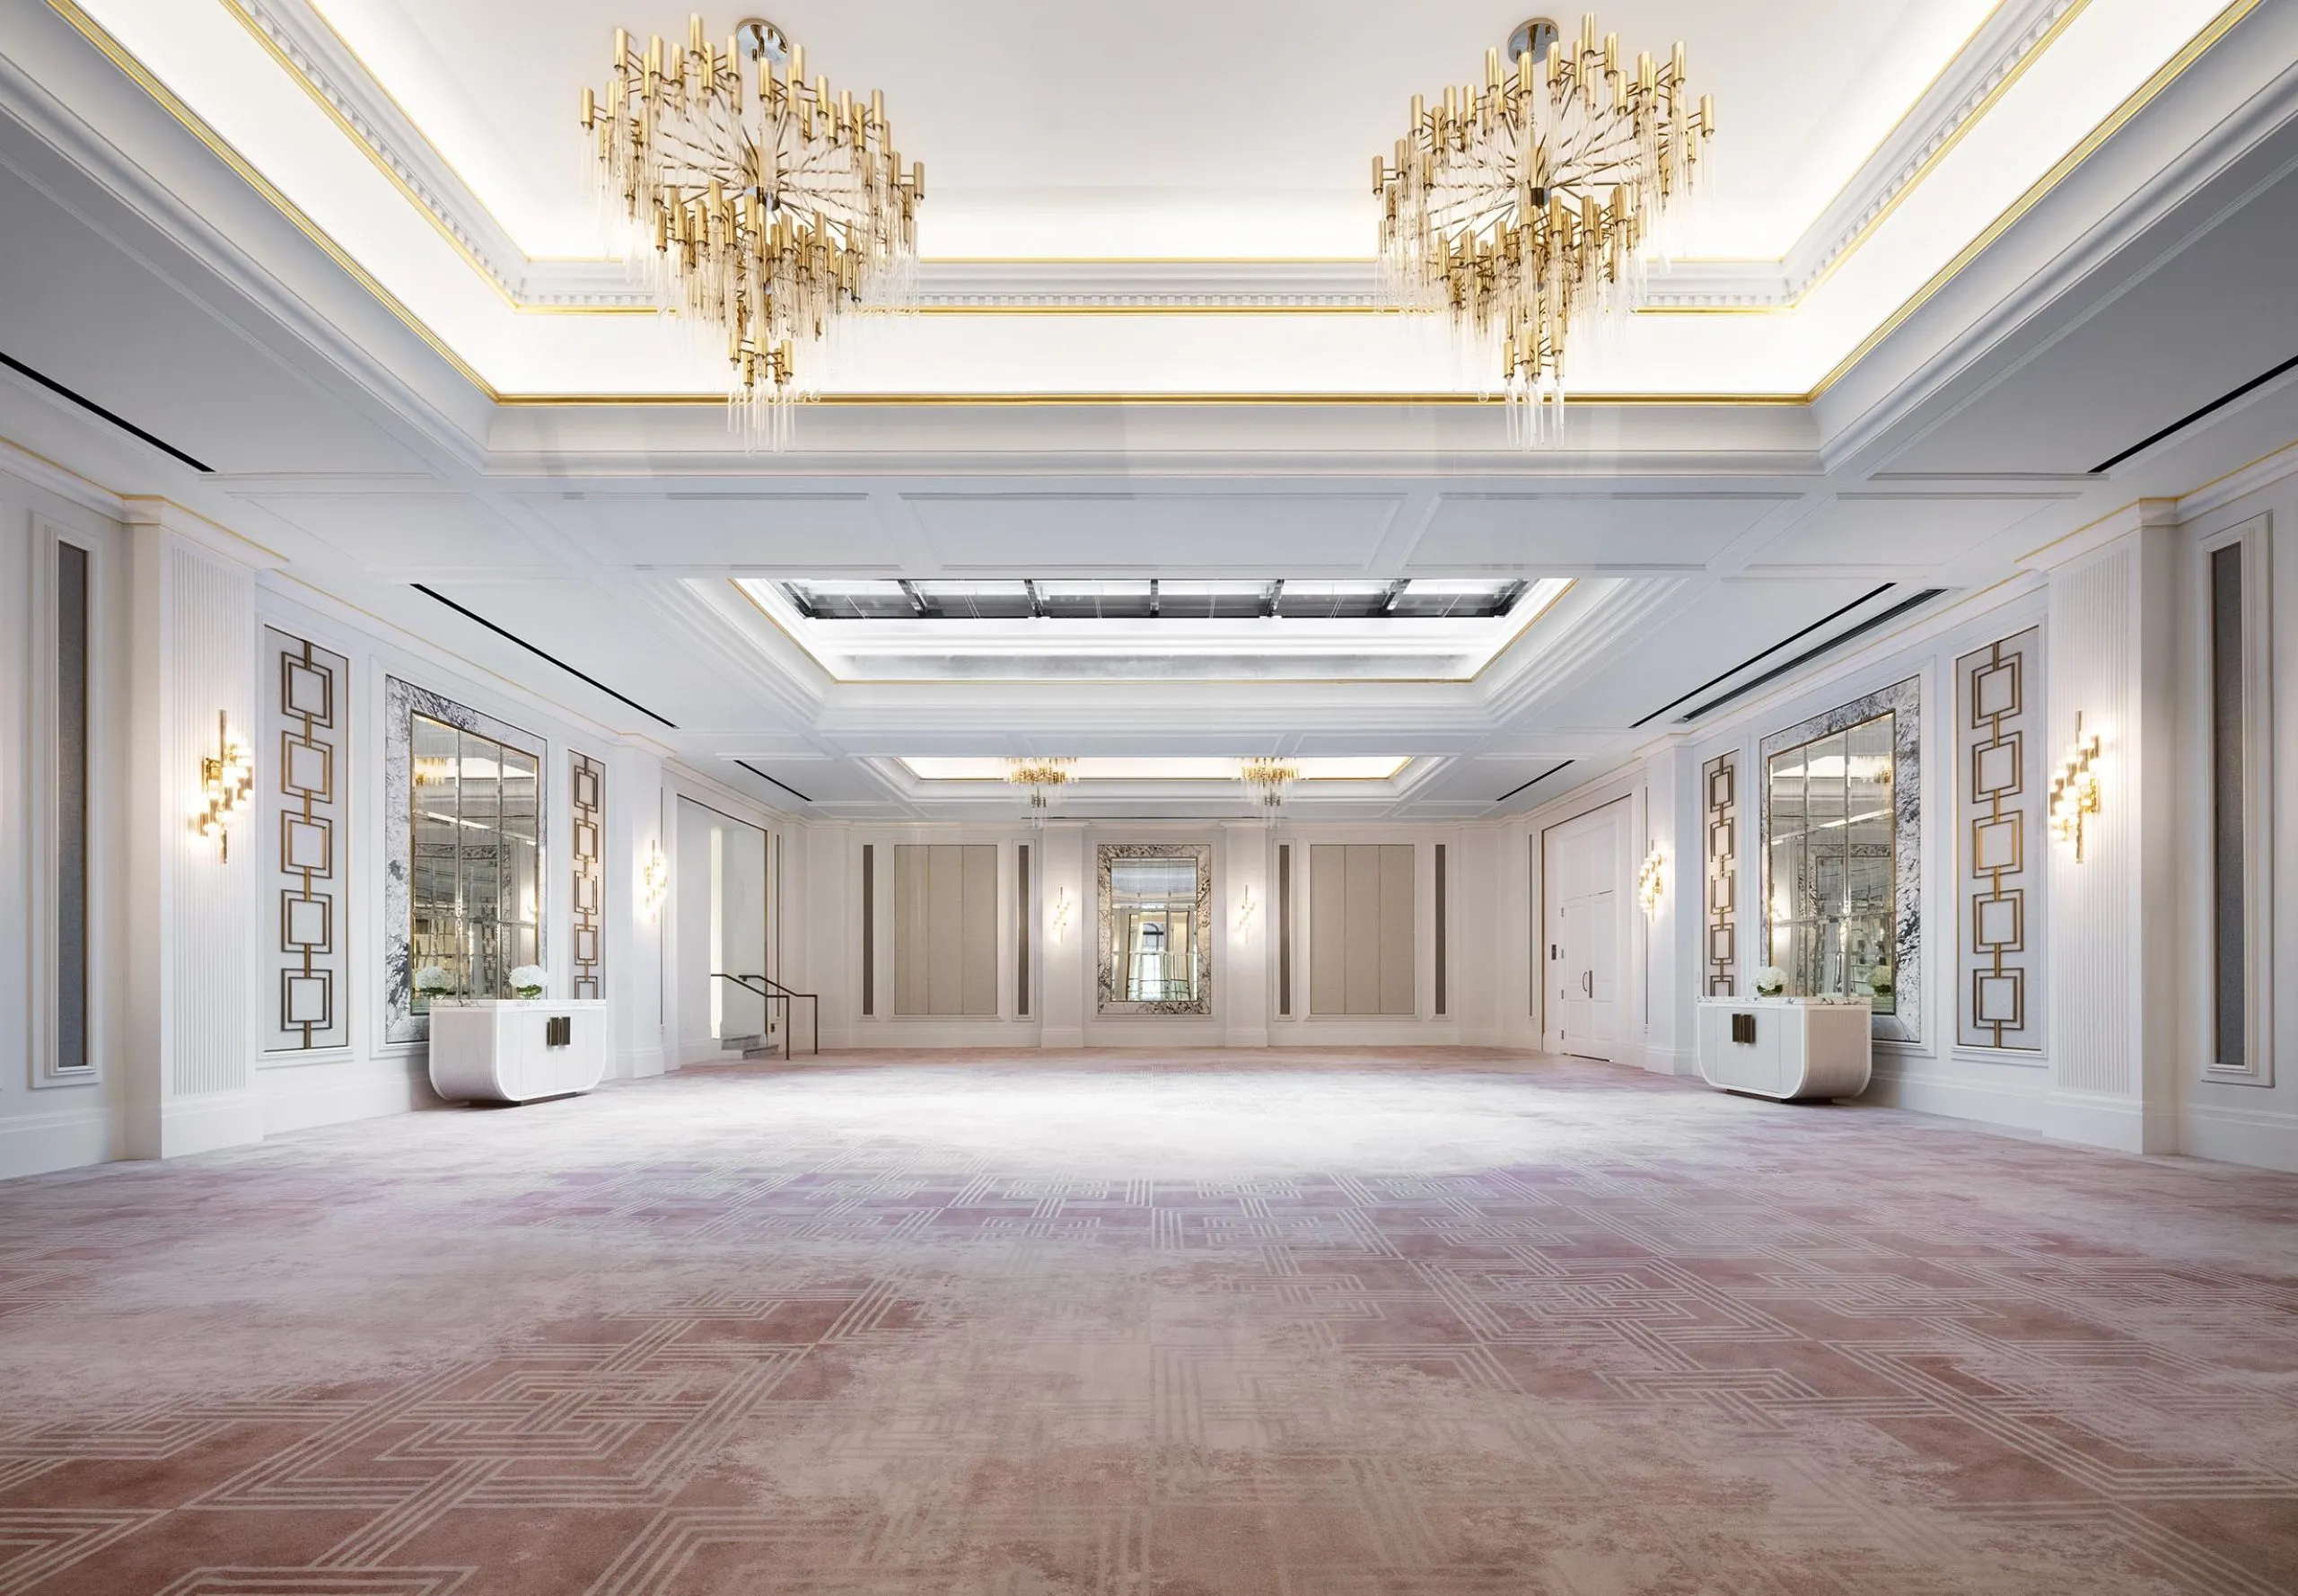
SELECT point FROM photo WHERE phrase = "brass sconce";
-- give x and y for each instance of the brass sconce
(1648, 882)
(653, 878)
(226, 782)
(2074, 789)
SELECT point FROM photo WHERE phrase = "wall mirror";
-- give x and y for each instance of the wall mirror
(464, 883)
(1841, 867)
(1156, 944)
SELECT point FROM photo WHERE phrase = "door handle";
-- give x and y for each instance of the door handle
(1588, 984)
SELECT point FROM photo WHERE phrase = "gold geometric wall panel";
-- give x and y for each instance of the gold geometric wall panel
(1999, 804)
(307, 722)
(589, 786)
(1720, 800)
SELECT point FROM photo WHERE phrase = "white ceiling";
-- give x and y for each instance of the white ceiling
(1863, 143)
(1203, 127)
(148, 276)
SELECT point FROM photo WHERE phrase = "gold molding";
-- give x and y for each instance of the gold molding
(2137, 101)
(1085, 400)
(137, 74)
(1403, 764)
(2209, 34)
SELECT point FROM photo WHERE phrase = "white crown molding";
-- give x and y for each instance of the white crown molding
(1962, 88)
(45, 474)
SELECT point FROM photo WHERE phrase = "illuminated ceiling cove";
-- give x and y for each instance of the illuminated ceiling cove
(1114, 220)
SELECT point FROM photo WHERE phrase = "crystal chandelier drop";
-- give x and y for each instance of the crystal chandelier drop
(763, 208)
(1267, 780)
(1043, 777)
(1523, 208)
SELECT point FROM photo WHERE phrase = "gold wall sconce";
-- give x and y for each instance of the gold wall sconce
(2074, 789)
(1648, 882)
(226, 786)
(1247, 910)
(1061, 907)
(653, 878)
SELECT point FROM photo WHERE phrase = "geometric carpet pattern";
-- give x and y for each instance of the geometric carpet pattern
(1310, 1323)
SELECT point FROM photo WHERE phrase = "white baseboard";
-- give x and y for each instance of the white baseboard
(2265, 1140)
(2116, 1122)
(1243, 1036)
(1671, 1061)
(208, 1122)
(638, 1064)
(65, 1139)
(1061, 1038)
(309, 1096)
(2020, 1104)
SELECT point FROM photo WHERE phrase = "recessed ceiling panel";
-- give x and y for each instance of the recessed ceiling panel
(1897, 531)
(1032, 534)
(731, 531)
(1488, 532)
(418, 535)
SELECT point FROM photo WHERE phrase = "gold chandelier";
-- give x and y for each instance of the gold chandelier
(766, 208)
(1521, 208)
(1043, 777)
(1267, 780)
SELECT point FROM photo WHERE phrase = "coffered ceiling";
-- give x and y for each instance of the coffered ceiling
(1192, 203)
(298, 319)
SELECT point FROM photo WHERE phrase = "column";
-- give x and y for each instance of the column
(1068, 927)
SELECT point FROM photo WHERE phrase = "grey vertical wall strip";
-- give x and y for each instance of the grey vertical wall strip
(1441, 874)
(2230, 861)
(71, 807)
(1284, 930)
(869, 930)
(1022, 931)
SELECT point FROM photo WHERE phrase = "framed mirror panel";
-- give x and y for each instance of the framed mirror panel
(1156, 923)
(463, 875)
(1842, 846)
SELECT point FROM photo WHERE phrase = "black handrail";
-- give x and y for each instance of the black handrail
(773, 991)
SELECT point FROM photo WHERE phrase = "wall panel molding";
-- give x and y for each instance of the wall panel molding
(586, 789)
(303, 765)
(2001, 838)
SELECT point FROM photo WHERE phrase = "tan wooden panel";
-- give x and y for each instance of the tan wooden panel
(1328, 928)
(1363, 928)
(1398, 919)
(945, 929)
(913, 919)
(977, 922)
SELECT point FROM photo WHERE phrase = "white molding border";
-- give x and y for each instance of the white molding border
(1962, 90)
(2253, 536)
(45, 1023)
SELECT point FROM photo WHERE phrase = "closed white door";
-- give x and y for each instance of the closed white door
(1583, 947)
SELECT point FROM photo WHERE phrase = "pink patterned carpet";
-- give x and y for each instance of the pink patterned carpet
(1311, 1324)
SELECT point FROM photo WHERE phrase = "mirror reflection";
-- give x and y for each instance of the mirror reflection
(476, 900)
(1154, 908)
(1833, 866)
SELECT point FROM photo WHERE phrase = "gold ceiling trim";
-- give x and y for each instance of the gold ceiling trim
(137, 73)
(813, 659)
(1401, 766)
(1082, 399)
(1866, 229)
(2137, 101)
(134, 69)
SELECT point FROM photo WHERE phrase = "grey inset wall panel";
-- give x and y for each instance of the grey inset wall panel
(945, 953)
(1363, 914)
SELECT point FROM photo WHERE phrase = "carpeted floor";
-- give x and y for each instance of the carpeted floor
(1311, 1324)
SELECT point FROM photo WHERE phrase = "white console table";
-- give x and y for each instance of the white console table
(513, 1050)
(1786, 1046)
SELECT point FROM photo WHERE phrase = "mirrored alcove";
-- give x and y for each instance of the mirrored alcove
(464, 869)
(1156, 944)
(1842, 840)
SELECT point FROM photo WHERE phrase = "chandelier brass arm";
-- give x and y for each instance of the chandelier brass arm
(762, 207)
(1520, 208)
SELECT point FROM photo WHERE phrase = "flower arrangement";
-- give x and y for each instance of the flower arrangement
(1879, 980)
(431, 981)
(1770, 981)
(529, 980)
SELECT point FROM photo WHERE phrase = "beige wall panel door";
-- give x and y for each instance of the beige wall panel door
(946, 928)
(978, 924)
(946, 952)
(913, 910)
(1362, 952)
(1328, 928)
(1397, 920)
